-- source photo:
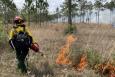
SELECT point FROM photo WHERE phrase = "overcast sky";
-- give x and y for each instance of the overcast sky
(53, 4)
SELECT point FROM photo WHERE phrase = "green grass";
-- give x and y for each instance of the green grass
(93, 58)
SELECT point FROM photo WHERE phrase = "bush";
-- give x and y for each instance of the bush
(70, 29)
(93, 57)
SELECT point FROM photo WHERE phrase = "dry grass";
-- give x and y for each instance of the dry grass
(99, 38)
(51, 39)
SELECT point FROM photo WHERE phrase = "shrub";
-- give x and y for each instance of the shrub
(70, 29)
(93, 57)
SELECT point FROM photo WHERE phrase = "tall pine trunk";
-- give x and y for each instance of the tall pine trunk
(110, 16)
(90, 17)
(98, 15)
(69, 13)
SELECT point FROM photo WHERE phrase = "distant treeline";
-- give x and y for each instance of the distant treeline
(37, 10)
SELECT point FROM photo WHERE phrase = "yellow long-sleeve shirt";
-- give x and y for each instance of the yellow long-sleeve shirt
(16, 30)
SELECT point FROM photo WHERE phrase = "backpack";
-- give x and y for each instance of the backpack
(23, 38)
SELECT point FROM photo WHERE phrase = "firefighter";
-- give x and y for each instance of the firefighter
(20, 40)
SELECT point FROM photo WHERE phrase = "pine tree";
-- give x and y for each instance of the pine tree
(69, 9)
(98, 5)
(110, 6)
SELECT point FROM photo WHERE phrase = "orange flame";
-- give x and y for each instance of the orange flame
(63, 54)
(112, 75)
(107, 69)
(83, 63)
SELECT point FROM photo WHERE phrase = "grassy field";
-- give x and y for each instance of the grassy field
(98, 38)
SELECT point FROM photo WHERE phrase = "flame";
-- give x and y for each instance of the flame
(63, 59)
(64, 52)
(112, 75)
(82, 64)
(63, 55)
(106, 68)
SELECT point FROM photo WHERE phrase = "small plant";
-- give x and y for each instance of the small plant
(70, 29)
(113, 55)
(93, 57)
